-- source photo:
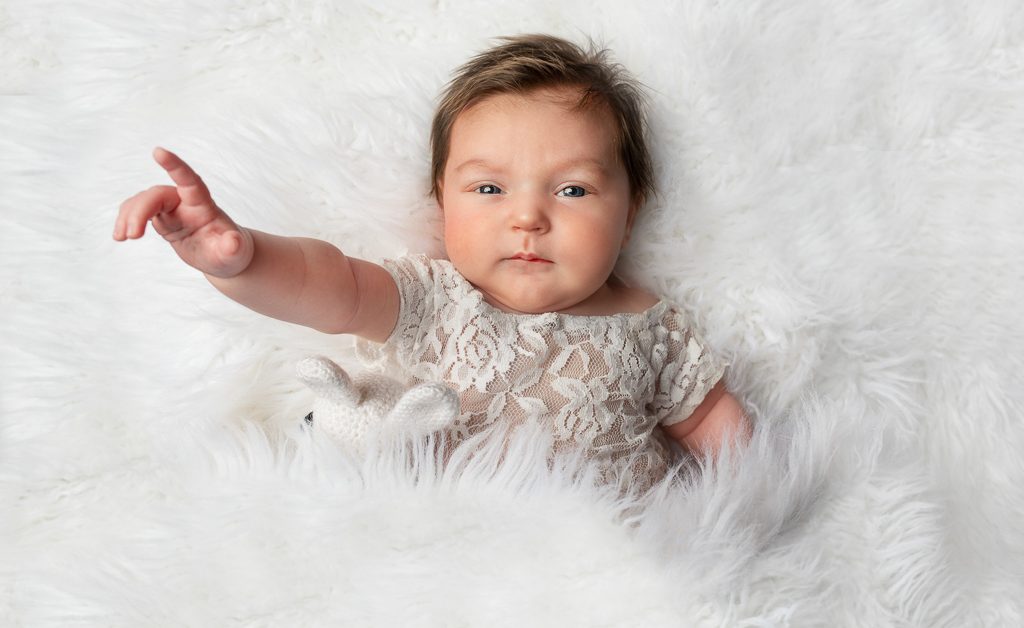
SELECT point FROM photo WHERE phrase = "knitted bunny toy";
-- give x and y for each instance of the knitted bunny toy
(352, 410)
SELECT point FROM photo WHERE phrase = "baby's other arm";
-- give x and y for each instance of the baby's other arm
(300, 280)
(718, 418)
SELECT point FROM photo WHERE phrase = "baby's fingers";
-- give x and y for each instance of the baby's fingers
(190, 187)
(141, 208)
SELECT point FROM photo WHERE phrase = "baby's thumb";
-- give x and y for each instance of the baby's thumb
(234, 252)
(230, 244)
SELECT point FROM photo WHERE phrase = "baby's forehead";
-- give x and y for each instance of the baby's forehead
(575, 99)
(538, 130)
(518, 112)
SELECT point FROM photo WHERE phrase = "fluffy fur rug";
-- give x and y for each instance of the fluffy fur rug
(840, 208)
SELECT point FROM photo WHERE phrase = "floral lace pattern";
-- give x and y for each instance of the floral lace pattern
(600, 382)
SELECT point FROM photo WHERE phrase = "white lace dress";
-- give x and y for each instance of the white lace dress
(603, 383)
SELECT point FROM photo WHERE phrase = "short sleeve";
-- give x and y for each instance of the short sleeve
(414, 276)
(689, 370)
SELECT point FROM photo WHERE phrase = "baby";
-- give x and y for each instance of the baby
(539, 166)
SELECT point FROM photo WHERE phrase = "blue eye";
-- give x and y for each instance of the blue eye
(572, 191)
(487, 188)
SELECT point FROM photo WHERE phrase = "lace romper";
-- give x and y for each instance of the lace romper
(603, 383)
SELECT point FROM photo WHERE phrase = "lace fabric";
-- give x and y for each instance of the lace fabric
(603, 383)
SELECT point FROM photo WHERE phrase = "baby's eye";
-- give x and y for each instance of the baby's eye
(572, 191)
(487, 188)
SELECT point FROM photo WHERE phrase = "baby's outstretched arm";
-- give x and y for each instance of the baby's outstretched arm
(300, 280)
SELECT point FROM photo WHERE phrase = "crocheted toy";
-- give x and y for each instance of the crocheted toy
(351, 410)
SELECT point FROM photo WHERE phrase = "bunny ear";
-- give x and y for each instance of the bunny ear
(327, 380)
(425, 408)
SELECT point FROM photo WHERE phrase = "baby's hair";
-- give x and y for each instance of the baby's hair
(528, 62)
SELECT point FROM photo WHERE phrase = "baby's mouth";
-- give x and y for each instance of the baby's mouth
(530, 257)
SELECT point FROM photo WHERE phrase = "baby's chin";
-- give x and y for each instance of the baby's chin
(520, 292)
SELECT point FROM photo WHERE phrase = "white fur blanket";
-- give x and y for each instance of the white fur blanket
(840, 207)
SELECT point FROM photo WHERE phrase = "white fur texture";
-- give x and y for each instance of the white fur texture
(840, 208)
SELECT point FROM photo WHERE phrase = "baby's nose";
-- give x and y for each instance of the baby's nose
(530, 215)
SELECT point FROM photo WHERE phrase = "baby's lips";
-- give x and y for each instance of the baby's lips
(530, 257)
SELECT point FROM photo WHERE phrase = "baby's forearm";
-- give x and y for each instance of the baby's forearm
(299, 280)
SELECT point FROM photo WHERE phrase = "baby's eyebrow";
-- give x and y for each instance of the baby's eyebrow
(592, 164)
(469, 163)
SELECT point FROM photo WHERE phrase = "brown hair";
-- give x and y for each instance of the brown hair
(527, 62)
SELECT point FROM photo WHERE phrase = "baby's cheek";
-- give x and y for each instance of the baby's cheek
(601, 241)
(459, 245)
(453, 237)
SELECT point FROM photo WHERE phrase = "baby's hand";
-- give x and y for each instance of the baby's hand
(185, 215)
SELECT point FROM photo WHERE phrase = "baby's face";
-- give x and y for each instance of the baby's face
(536, 202)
